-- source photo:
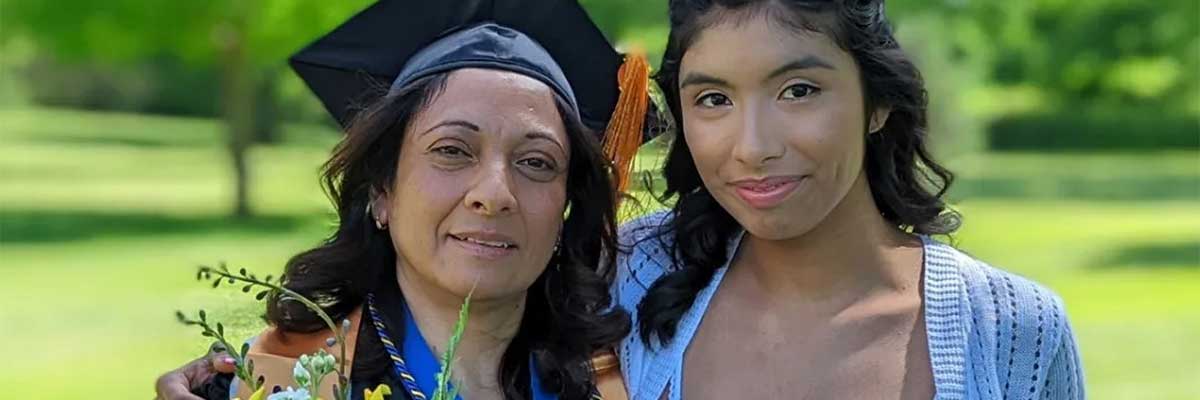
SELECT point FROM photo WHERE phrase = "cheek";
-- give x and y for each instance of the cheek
(542, 206)
(424, 192)
(709, 142)
(829, 138)
(422, 198)
(850, 141)
(832, 137)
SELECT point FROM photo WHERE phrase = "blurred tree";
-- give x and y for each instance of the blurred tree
(1104, 54)
(1057, 67)
(1015, 56)
(246, 41)
(1109, 53)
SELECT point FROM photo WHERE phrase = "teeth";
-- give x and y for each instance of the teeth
(501, 245)
(765, 188)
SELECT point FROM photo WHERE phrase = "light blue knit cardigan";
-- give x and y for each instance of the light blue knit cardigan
(992, 335)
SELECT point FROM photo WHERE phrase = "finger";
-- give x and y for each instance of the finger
(174, 385)
(222, 363)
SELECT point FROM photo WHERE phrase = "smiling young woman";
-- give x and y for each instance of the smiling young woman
(797, 261)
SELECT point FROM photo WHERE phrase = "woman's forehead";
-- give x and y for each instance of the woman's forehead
(736, 49)
(476, 80)
(495, 100)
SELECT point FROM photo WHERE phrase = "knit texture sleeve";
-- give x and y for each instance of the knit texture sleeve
(1064, 379)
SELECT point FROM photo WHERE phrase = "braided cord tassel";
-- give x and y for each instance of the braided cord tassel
(398, 365)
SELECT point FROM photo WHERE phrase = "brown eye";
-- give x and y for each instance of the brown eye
(539, 169)
(537, 163)
(450, 151)
(799, 91)
(713, 100)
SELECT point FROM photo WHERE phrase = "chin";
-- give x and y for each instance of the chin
(777, 224)
(494, 292)
(771, 232)
(489, 282)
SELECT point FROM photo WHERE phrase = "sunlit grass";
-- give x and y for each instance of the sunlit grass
(99, 239)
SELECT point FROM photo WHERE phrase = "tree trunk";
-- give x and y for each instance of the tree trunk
(267, 129)
(238, 104)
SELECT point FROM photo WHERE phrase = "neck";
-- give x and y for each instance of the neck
(492, 325)
(854, 250)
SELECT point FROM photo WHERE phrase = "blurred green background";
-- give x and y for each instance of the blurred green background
(140, 139)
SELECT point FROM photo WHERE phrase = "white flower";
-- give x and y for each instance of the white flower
(325, 363)
(291, 394)
(301, 375)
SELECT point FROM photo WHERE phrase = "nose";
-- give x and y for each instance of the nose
(758, 143)
(491, 194)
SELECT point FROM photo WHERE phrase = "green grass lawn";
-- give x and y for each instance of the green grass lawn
(104, 217)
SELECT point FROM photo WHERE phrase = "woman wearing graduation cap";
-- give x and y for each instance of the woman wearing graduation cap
(478, 172)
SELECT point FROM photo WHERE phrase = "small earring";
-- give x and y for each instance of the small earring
(557, 247)
(875, 125)
(378, 225)
(558, 239)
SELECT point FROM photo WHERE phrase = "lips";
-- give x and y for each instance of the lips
(486, 245)
(490, 243)
(765, 193)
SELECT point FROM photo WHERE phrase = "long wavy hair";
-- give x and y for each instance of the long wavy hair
(567, 315)
(905, 181)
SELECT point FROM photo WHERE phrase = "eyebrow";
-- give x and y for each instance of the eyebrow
(545, 136)
(475, 128)
(698, 78)
(807, 62)
(452, 123)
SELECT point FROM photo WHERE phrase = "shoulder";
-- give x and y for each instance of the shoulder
(275, 351)
(1028, 307)
(1014, 323)
(644, 255)
(275, 342)
(636, 232)
(1002, 296)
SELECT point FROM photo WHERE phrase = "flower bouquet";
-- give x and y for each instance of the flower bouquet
(320, 375)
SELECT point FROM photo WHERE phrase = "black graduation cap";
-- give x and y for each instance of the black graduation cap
(376, 44)
(398, 41)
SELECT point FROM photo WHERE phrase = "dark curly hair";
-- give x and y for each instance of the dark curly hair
(905, 182)
(567, 314)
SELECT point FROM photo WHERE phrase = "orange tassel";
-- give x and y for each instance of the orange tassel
(624, 133)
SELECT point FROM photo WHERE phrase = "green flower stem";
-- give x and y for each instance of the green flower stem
(288, 294)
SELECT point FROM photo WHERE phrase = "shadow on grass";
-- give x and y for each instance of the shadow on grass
(18, 226)
(294, 136)
(115, 141)
(1155, 255)
(1117, 189)
(1054, 188)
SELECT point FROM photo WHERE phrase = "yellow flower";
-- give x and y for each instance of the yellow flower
(378, 393)
(258, 395)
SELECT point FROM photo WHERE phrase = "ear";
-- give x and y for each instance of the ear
(380, 206)
(878, 119)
